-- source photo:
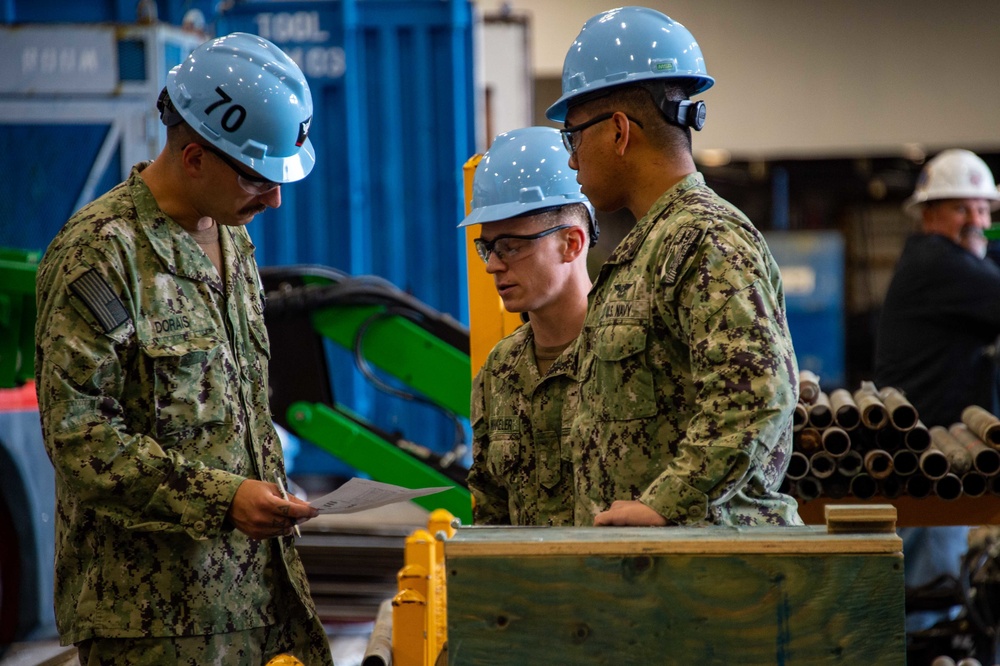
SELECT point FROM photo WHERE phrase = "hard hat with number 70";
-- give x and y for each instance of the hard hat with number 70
(248, 99)
(953, 174)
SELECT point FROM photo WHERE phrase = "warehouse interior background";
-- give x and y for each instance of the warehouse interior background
(820, 120)
(821, 117)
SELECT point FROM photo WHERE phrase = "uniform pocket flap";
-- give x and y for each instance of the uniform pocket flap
(616, 342)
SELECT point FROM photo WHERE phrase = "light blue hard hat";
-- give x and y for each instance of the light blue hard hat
(625, 46)
(525, 171)
(248, 99)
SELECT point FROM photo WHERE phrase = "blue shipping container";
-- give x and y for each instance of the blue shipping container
(392, 86)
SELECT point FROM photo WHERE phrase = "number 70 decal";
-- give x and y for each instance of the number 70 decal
(234, 115)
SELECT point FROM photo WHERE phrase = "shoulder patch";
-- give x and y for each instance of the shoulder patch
(103, 303)
(682, 245)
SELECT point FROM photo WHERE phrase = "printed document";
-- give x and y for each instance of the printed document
(361, 494)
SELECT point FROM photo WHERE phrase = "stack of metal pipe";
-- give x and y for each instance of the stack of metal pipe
(870, 442)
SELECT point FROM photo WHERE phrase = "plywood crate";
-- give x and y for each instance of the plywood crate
(708, 595)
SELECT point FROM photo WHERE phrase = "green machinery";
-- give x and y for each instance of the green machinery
(385, 328)
(306, 309)
(17, 316)
(396, 333)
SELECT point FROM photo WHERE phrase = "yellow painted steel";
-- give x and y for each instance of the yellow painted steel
(488, 319)
(413, 577)
(441, 523)
(419, 615)
(409, 610)
(285, 660)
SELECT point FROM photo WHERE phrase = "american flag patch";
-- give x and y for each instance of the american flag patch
(682, 248)
(105, 305)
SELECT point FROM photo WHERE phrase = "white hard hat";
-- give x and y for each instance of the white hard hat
(953, 174)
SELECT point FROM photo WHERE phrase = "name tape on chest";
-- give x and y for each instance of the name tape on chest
(505, 424)
(102, 302)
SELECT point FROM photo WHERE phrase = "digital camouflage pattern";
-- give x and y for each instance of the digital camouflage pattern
(688, 377)
(152, 425)
(268, 645)
(521, 470)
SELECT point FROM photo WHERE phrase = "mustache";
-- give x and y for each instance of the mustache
(252, 209)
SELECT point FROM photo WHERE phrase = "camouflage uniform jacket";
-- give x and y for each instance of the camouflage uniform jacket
(521, 471)
(152, 387)
(688, 377)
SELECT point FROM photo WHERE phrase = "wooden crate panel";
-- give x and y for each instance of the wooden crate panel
(511, 542)
(748, 608)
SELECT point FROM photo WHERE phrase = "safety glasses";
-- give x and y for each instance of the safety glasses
(570, 134)
(511, 247)
(251, 184)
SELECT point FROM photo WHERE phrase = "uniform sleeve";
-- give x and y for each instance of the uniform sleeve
(85, 341)
(729, 308)
(490, 506)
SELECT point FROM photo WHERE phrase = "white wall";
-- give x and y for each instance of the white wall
(823, 78)
(506, 72)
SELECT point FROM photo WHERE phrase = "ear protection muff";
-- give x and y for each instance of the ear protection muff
(683, 113)
(168, 114)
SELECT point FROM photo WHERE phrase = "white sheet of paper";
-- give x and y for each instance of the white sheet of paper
(361, 494)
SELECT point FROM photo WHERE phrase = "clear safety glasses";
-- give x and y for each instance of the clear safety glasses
(571, 135)
(511, 247)
(254, 185)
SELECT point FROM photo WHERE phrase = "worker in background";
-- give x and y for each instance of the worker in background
(941, 316)
(536, 230)
(687, 373)
(173, 541)
(939, 326)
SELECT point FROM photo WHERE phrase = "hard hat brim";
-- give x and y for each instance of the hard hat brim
(507, 211)
(558, 111)
(915, 204)
(287, 169)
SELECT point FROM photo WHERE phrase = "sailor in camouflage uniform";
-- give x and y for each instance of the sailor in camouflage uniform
(687, 373)
(536, 231)
(173, 542)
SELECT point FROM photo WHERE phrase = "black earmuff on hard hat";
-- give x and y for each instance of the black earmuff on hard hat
(595, 231)
(168, 114)
(685, 113)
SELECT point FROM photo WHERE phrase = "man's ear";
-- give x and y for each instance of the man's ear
(576, 243)
(193, 159)
(622, 132)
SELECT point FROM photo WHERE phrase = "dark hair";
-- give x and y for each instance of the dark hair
(180, 135)
(637, 102)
